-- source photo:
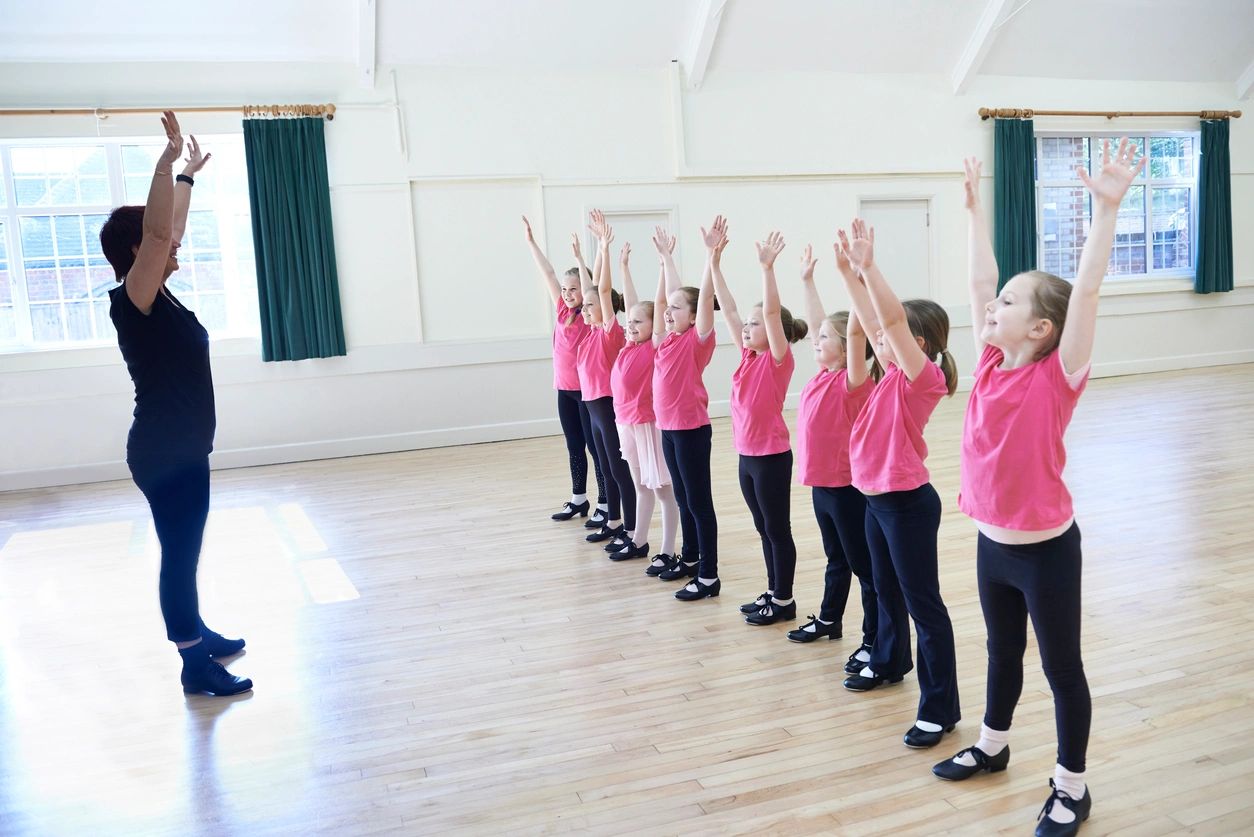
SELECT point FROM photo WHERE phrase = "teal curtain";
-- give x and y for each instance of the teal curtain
(1214, 217)
(1014, 197)
(297, 286)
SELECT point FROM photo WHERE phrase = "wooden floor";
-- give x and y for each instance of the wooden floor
(434, 656)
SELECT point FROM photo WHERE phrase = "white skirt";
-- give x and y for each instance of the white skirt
(641, 445)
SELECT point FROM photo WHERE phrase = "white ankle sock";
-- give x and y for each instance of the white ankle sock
(813, 628)
(1072, 784)
(992, 741)
(578, 499)
(867, 671)
(862, 656)
(928, 726)
(603, 506)
(781, 602)
(707, 581)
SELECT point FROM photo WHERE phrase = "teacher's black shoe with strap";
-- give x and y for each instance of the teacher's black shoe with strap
(921, 739)
(859, 683)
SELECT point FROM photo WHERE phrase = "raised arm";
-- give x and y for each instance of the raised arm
(855, 353)
(814, 304)
(183, 190)
(629, 288)
(543, 265)
(585, 277)
(772, 320)
(859, 297)
(147, 274)
(659, 305)
(715, 239)
(665, 242)
(887, 307)
(604, 283)
(981, 262)
(1107, 189)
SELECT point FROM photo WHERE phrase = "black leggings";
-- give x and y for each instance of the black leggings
(178, 494)
(841, 513)
(766, 482)
(687, 454)
(577, 428)
(620, 488)
(901, 534)
(1041, 580)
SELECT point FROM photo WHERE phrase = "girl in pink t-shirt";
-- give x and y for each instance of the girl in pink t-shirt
(631, 383)
(886, 457)
(681, 406)
(830, 403)
(594, 361)
(759, 386)
(1035, 338)
(569, 331)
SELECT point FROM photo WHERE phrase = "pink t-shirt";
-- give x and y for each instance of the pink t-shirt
(566, 340)
(825, 419)
(631, 381)
(680, 401)
(759, 387)
(596, 356)
(886, 447)
(1012, 450)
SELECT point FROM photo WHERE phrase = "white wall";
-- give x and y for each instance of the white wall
(447, 326)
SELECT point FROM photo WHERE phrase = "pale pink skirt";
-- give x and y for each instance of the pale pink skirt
(641, 445)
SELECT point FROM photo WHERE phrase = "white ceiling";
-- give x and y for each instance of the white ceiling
(1167, 40)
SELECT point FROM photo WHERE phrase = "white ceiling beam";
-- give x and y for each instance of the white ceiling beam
(367, 24)
(1246, 82)
(981, 42)
(702, 43)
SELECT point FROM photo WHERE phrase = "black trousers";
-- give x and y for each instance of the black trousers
(687, 454)
(1041, 580)
(178, 494)
(766, 483)
(901, 534)
(577, 428)
(841, 513)
(620, 488)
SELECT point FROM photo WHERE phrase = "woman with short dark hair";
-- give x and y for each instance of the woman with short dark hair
(166, 350)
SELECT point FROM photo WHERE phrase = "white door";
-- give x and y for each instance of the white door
(902, 244)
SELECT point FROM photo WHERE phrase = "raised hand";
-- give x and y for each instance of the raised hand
(841, 247)
(663, 241)
(531, 239)
(807, 264)
(624, 255)
(575, 246)
(768, 250)
(174, 142)
(971, 182)
(598, 226)
(1112, 182)
(861, 250)
(716, 235)
(195, 160)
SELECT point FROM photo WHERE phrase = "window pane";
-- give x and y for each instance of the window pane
(36, 237)
(1128, 256)
(68, 235)
(45, 322)
(1171, 157)
(1172, 228)
(78, 320)
(211, 311)
(6, 288)
(41, 282)
(208, 272)
(104, 326)
(1064, 215)
(100, 278)
(202, 231)
(73, 280)
(60, 175)
(1060, 156)
(8, 324)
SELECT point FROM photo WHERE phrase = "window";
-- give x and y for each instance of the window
(1156, 226)
(54, 197)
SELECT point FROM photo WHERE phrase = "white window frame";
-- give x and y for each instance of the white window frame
(1144, 180)
(11, 213)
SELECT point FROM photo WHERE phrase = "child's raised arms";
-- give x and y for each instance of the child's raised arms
(715, 240)
(887, 307)
(768, 251)
(543, 264)
(1107, 190)
(981, 262)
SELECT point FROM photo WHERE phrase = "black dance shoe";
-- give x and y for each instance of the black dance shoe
(918, 739)
(1045, 827)
(570, 510)
(830, 630)
(772, 613)
(952, 771)
(701, 591)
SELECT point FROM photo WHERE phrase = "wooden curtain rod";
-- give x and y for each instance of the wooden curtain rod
(1028, 113)
(249, 111)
